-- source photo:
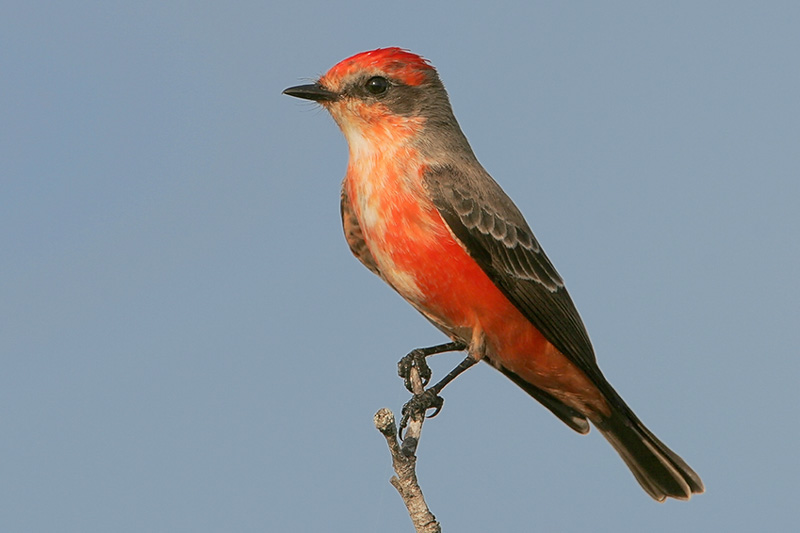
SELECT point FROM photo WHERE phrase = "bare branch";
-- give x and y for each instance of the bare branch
(404, 463)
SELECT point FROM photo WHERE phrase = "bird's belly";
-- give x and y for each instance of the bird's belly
(418, 255)
(422, 260)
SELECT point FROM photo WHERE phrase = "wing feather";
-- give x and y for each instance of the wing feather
(354, 235)
(495, 234)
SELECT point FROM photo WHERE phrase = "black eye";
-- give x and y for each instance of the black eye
(377, 85)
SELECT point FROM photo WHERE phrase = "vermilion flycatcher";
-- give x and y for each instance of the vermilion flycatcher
(420, 211)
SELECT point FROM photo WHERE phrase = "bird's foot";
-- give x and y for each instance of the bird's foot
(414, 359)
(419, 404)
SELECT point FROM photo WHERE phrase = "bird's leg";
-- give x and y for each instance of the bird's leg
(416, 358)
(430, 398)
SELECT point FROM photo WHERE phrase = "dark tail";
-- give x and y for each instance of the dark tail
(658, 469)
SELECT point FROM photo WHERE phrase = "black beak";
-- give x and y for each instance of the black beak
(314, 91)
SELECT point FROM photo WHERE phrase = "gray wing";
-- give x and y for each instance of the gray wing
(355, 237)
(495, 234)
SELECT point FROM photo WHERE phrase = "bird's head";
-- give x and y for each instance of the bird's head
(388, 92)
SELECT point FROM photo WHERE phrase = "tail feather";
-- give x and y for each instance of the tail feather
(567, 414)
(659, 470)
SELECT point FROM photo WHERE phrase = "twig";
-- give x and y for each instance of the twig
(404, 462)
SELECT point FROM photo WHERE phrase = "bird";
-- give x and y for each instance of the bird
(422, 213)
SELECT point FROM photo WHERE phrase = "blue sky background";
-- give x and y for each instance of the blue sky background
(187, 344)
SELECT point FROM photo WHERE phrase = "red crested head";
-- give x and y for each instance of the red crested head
(401, 64)
(389, 94)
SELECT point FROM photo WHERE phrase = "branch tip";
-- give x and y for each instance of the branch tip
(384, 422)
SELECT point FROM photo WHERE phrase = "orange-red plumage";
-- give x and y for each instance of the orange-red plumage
(400, 63)
(421, 212)
(418, 256)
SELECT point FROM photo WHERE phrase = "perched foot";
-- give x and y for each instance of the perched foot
(416, 358)
(419, 404)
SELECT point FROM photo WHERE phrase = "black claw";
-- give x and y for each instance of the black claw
(438, 407)
(418, 405)
(415, 358)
